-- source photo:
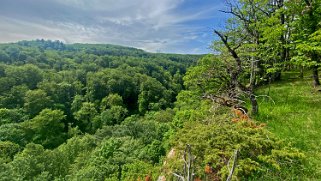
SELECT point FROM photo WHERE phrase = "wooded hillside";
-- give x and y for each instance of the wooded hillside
(249, 111)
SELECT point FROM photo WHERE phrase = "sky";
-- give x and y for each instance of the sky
(167, 26)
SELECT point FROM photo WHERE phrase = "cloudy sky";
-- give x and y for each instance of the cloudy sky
(176, 26)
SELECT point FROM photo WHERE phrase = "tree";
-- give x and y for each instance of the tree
(110, 81)
(35, 101)
(153, 152)
(30, 163)
(11, 116)
(15, 97)
(275, 38)
(48, 128)
(29, 75)
(256, 38)
(108, 160)
(242, 40)
(77, 103)
(153, 95)
(4, 57)
(110, 101)
(235, 72)
(244, 33)
(85, 116)
(7, 151)
(139, 170)
(62, 94)
(15, 133)
(114, 115)
(306, 35)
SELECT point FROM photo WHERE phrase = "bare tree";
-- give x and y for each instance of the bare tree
(188, 171)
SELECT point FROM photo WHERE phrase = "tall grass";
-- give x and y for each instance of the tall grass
(292, 111)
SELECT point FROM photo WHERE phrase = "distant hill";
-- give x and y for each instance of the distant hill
(96, 49)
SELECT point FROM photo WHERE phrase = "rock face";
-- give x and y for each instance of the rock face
(161, 178)
(171, 154)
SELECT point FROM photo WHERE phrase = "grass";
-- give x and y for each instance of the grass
(292, 111)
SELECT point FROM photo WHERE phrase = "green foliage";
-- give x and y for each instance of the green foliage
(77, 103)
(35, 101)
(104, 112)
(114, 115)
(139, 170)
(62, 93)
(109, 81)
(111, 100)
(209, 73)
(14, 98)
(7, 151)
(30, 163)
(11, 116)
(189, 107)
(29, 75)
(47, 128)
(85, 116)
(209, 129)
(153, 151)
(15, 133)
(214, 140)
(53, 96)
(107, 160)
(153, 96)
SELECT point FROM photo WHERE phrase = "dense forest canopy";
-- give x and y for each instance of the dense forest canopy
(49, 74)
(108, 112)
(51, 92)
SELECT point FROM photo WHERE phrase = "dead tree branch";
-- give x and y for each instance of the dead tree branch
(233, 166)
(235, 83)
(188, 172)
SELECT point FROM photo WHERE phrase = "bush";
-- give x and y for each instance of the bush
(215, 139)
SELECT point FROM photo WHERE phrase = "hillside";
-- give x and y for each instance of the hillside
(110, 112)
(60, 104)
(292, 112)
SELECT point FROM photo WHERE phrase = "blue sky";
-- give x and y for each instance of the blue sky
(173, 26)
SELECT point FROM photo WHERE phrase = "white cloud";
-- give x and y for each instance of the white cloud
(153, 25)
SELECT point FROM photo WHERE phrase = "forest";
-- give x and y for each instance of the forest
(248, 111)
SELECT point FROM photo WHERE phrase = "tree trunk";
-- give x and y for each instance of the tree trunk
(120, 169)
(254, 104)
(301, 72)
(284, 50)
(276, 76)
(316, 80)
(253, 74)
